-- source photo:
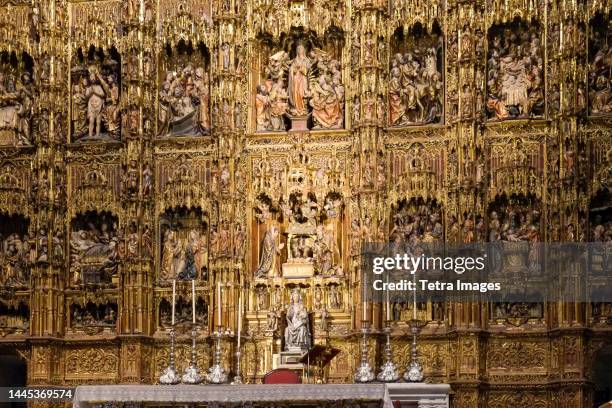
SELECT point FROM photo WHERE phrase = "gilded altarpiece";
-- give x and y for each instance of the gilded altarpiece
(253, 146)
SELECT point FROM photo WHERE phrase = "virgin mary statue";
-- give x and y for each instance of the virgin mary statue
(298, 82)
(297, 333)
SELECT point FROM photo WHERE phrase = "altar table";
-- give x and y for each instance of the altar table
(303, 395)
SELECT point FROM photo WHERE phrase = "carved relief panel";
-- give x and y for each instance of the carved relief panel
(600, 59)
(515, 71)
(184, 245)
(96, 247)
(17, 99)
(93, 316)
(416, 77)
(299, 80)
(17, 251)
(184, 91)
(95, 95)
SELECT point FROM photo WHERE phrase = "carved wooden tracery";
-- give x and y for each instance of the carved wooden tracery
(453, 121)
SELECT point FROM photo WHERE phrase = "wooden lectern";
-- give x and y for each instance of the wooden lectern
(318, 356)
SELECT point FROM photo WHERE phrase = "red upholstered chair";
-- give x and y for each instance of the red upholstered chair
(282, 376)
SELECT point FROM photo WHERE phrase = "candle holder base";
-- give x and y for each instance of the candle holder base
(414, 372)
(216, 375)
(192, 375)
(237, 380)
(169, 377)
(388, 373)
(364, 373)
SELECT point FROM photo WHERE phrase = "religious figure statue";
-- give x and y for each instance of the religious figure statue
(183, 258)
(95, 101)
(94, 252)
(16, 109)
(297, 333)
(309, 83)
(184, 102)
(277, 98)
(327, 253)
(600, 73)
(299, 91)
(327, 93)
(14, 260)
(272, 321)
(515, 78)
(416, 88)
(270, 250)
(417, 222)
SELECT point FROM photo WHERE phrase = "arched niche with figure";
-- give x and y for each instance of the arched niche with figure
(93, 316)
(515, 71)
(416, 76)
(16, 251)
(600, 64)
(184, 91)
(415, 221)
(96, 247)
(17, 98)
(184, 245)
(95, 79)
(300, 81)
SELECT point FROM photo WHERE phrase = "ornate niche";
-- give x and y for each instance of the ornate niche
(93, 316)
(95, 111)
(184, 91)
(600, 64)
(96, 247)
(299, 219)
(182, 314)
(16, 251)
(17, 95)
(184, 245)
(300, 81)
(512, 222)
(416, 220)
(416, 84)
(515, 71)
(14, 316)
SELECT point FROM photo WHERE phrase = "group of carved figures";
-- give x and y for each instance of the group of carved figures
(601, 71)
(183, 313)
(418, 223)
(16, 108)
(14, 317)
(95, 250)
(15, 256)
(94, 315)
(416, 90)
(184, 100)
(514, 224)
(314, 85)
(183, 257)
(95, 102)
(515, 76)
(309, 239)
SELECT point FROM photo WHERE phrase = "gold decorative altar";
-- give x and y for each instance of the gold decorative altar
(255, 144)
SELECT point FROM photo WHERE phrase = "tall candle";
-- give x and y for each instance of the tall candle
(414, 314)
(173, 298)
(218, 304)
(365, 303)
(193, 300)
(239, 317)
(388, 301)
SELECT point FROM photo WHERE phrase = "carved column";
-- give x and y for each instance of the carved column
(48, 276)
(139, 87)
(229, 101)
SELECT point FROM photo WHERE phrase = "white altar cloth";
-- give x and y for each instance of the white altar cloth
(88, 395)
